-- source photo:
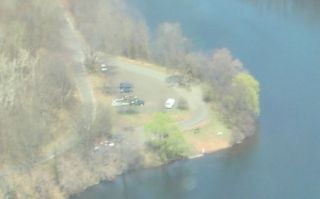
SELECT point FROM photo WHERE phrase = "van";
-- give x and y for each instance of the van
(169, 104)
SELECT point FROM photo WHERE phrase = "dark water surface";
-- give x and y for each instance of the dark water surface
(279, 42)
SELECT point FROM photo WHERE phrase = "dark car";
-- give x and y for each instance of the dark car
(126, 90)
(137, 102)
(126, 87)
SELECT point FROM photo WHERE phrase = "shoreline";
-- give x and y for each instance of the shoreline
(204, 142)
(143, 168)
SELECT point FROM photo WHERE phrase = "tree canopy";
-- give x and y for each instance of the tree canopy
(165, 137)
(248, 91)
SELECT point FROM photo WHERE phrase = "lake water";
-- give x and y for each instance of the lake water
(279, 42)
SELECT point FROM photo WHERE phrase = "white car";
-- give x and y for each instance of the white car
(170, 102)
(119, 102)
(103, 67)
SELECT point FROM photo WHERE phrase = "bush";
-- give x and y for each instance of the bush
(183, 104)
(208, 95)
(165, 138)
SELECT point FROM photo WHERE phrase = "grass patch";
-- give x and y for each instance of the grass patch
(213, 136)
(144, 64)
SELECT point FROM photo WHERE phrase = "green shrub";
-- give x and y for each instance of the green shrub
(183, 104)
(165, 138)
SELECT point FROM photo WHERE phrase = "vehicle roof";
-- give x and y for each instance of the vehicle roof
(125, 84)
(170, 100)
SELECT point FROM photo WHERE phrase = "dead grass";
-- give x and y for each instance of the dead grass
(98, 81)
(63, 128)
(151, 160)
(144, 64)
(37, 183)
(211, 137)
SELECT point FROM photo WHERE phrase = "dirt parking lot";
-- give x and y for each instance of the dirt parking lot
(154, 92)
(150, 85)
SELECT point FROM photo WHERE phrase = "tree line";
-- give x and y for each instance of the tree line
(34, 78)
(36, 94)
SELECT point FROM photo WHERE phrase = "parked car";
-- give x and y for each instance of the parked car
(169, 104)
(120, 102)
(103, 67)
(137, 102)
(129, 97)
(126, 90)
(126, 87)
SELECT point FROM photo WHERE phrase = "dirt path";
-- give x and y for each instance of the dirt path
(76, 43)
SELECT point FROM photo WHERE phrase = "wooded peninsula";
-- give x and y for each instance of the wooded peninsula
(82, 92)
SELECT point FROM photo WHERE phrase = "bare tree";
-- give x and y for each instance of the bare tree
(112, 27)
(224, 67)
(171, 46)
